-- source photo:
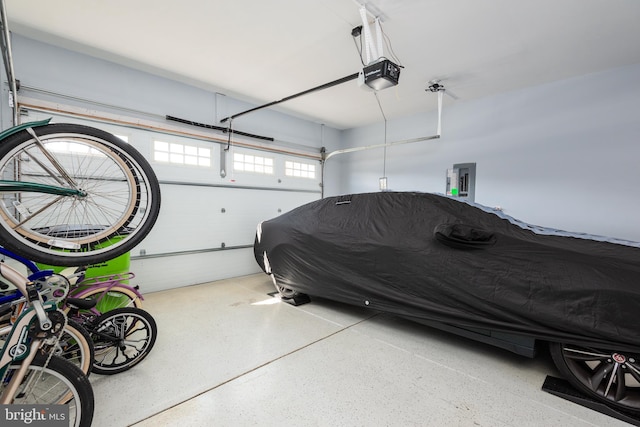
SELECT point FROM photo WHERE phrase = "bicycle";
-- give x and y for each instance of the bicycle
(69, 195)
(30, 376)
(105, 343)
(121, 337)
(75, 343)
(72, 194)
(110, 311)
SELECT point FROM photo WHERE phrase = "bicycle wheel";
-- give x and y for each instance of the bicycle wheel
(122, 338)
(75, 345)
(115, 204)
(108, 299)
(60, 382)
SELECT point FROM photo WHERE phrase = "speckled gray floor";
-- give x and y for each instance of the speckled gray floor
(227, 354)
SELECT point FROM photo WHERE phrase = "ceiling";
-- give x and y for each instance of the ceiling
(262, 51)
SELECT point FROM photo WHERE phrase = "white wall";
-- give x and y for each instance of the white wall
(561, 155)
(75, 75)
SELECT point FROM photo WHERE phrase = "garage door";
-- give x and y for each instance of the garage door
(214, 194)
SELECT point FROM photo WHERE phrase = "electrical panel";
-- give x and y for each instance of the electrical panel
(461, 181)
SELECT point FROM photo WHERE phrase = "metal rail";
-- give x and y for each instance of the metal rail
(288, 98)
(7, 58)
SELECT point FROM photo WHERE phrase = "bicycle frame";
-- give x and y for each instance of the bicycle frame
(88, 287)
(106, 283)
(35, 275)
(9, 186)
(21, 345)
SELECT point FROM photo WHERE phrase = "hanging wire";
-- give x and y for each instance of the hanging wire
(359, 49)
(229, 132)
(384, 159)
(384, 156)
(387, 43)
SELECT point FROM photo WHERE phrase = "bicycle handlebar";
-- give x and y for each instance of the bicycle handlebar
(27, 289)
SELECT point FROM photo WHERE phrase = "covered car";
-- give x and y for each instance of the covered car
(443, 261)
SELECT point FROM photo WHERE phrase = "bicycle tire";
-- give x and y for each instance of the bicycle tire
(76, 346)
(61, 383)
(114, 353)
(119, 205)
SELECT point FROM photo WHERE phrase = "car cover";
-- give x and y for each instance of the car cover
(436, 258)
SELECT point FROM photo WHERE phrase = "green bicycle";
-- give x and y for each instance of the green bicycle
(73, 195)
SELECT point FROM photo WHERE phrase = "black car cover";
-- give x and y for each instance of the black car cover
(432, 257)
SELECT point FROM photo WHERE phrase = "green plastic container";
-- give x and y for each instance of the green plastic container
(113, 268)
(118, 265)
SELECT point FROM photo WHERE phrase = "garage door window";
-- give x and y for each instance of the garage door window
(181, 154)
(250, 163)
(300, 170)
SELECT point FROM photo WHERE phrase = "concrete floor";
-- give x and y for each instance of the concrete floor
(228, 354)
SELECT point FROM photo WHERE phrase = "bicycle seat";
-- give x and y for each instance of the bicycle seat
(81, 303)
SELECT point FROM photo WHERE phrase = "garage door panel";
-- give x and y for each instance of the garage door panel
(201, 218)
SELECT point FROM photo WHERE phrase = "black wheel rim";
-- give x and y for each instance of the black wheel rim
(609, 375)
(121, 342)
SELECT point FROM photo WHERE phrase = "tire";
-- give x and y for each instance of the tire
(60, 383)
(75, 345)
(608, 376)
(115, 297)
(122, 338)
(117, 208)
